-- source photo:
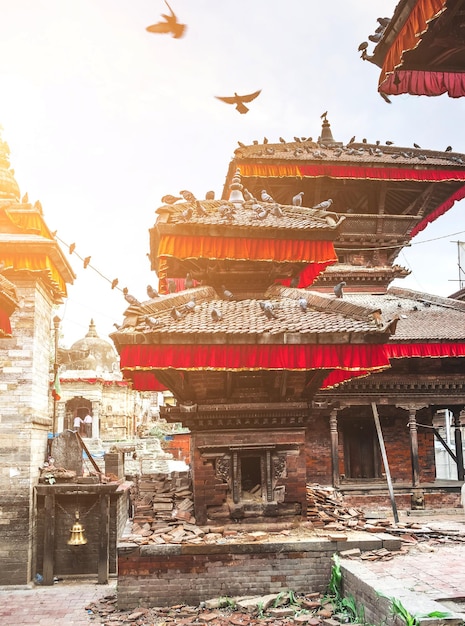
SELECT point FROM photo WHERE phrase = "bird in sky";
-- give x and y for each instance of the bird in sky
(169, 26)
(297, 199)
(323, 205)
(239, 100)
(339, 289)
(151, 292)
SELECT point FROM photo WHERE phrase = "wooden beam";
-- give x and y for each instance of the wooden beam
(49, 538)
(385, 461)
(104, 540)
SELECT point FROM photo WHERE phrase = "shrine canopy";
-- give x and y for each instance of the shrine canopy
(420, 49)
(190, 341)
(26, 242)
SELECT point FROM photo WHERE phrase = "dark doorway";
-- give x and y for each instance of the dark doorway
(361, 452)
(251, 476)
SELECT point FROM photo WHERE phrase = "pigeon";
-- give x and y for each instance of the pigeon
(375, 38)
(114, 282)
(171, 285)
(265, 196)
(216, 315)
(169, 26)
(226, 293)
(282, 140)
(151, 292)
(297, 139)
(152, 322)
(267, 308)
(86, 261)
(415, 145)
(199, 209)
(131, 299)
(277, 211)
(351, 140)
(168, 199)
(338, 289)
(297, 199)
(189, 307)
(295, 280)
(389, 143)
(265, 139)
(241, 145)
(324, 115)
(188, 196)
(210, 195)
(384, 21)
(363, 46)
(175, 314)
(449, 149)
(247, 195)
(189, 283)
(187, 214)
(323, 205)
(72, 247)
(239, 100)
(261, 213)
(303, 304)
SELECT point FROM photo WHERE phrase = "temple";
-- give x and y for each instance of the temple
(420, 49)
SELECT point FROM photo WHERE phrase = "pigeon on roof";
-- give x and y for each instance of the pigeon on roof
(129, 298)
(265, 196)
(189, 283)
(323, 205)
(168, 199)
(303, 304)
(216, 315)
(297, 199)
(339, 289)
(268, 309)
(239, 100)
(169, 26)
(226, 293)
(151, 292)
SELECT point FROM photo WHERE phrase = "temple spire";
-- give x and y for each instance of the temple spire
(326, 134)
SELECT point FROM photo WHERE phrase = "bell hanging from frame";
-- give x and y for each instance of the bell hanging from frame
(76, 537)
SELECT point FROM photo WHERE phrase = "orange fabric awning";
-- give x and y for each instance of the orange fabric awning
(410, 35)
(37, 263)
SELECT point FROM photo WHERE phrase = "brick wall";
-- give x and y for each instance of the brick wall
(24, 424)
(189, 574)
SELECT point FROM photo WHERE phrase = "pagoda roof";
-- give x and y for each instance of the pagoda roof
(420, 48)
(423, 317)
(28, 246)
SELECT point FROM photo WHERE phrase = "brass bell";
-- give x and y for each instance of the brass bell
(76, 537)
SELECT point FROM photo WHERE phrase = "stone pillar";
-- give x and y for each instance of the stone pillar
(96, 419)
(334, 447)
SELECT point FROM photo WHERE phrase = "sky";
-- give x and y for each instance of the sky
(104, 118)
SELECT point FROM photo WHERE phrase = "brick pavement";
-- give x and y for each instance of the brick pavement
(63, 604)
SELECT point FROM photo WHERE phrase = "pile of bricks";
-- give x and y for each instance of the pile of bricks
(326, 509)
(161, 498)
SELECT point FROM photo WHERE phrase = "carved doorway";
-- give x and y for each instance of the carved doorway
(361, 450)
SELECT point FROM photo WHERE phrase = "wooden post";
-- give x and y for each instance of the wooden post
(334, 447)
(104, 540)
(412, 424)
(458, 443)
(49, 538)
(385, 461)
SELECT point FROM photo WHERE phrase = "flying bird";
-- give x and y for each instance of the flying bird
(168, 199)
(169, 26)
(151, 292)
(339, 289)
(239, 100)
(297, 199)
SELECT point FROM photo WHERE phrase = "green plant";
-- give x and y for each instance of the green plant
(335, 581)
(398, 609)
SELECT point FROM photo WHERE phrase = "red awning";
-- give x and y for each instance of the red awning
(5, 326)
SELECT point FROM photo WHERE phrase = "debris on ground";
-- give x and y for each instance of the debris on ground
(313, 609)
